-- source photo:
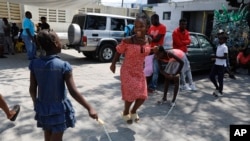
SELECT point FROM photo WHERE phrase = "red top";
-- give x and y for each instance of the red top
(156, 30)
(181, 39)
(242, 59)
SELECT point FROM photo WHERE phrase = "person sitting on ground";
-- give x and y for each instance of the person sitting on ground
(177, 63)
(11, 114)
(243, 60)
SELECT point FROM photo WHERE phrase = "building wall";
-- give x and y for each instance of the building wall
(59, 19)
(197, 7)
(69, 13)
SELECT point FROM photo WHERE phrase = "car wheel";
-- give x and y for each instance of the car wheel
(88, 54)
(74, 34)
(106, 53)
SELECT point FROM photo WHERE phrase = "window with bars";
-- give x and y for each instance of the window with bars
(133, 14)
(10, 11)
(97, 10)
(82, 10)
(166, 15)
(53, 15)
(89, 9)
(61, 16)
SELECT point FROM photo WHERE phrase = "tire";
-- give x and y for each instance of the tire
(106, 53)
(74, 34)
(88, 54)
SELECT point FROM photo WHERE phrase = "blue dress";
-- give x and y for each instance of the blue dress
(54, 111)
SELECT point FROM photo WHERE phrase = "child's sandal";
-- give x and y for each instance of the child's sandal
(127, 118)
(135, 117)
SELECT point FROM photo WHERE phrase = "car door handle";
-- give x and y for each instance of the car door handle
(117, 34)
(95, 35)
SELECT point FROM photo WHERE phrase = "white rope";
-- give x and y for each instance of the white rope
(104, 128)
(169, 111)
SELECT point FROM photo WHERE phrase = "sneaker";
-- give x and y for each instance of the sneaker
(232, 76)
(172, 104)
(192, 87)
(162, 101)
(215, 93)
(185, 87)
(219, 94)
(152, 91)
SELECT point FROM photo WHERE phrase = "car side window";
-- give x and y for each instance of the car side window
(194, 42)
(117, 24)
(96, 22)
(203, 41)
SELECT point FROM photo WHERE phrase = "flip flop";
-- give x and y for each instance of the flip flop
(16, 108)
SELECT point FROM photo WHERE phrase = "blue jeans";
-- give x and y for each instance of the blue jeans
(30, 47)
(187, 74)
(154, 80)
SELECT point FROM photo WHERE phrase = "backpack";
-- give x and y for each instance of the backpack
(130, 31)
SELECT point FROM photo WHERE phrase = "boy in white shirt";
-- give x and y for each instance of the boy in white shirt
(220, 65)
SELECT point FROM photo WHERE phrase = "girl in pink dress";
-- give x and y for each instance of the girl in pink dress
(133, 80)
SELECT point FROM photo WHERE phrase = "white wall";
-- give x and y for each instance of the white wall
(63, 27)
(177, 8)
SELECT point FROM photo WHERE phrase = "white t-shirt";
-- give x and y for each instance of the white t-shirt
(1, 26)
(221, 50)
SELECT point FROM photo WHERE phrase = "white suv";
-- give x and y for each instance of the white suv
(96, 35)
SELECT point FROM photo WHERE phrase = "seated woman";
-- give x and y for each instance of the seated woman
(243, 60)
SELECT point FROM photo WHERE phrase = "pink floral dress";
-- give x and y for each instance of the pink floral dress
(133, 80)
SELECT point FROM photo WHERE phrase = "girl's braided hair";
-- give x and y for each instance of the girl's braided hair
(48, 40)
(143, 17)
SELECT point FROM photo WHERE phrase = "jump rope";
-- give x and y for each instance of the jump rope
(169, 111)
(101, 122)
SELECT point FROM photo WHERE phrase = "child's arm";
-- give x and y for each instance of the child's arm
(33, 87)
(77, 96)
(115, 59)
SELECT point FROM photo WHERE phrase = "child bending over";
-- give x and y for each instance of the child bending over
(177, 62)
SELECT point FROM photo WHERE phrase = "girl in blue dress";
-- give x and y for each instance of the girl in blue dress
(48, 75)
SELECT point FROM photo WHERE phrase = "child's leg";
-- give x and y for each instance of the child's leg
(212, 76)
(176, 87)
(4, 106)
(183, 78)
(126, 107)
(137, 105)
(166, 85)
(221, 71)
(189, 77)
(49, 136)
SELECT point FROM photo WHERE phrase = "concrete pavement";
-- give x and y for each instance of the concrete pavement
(196, 116)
